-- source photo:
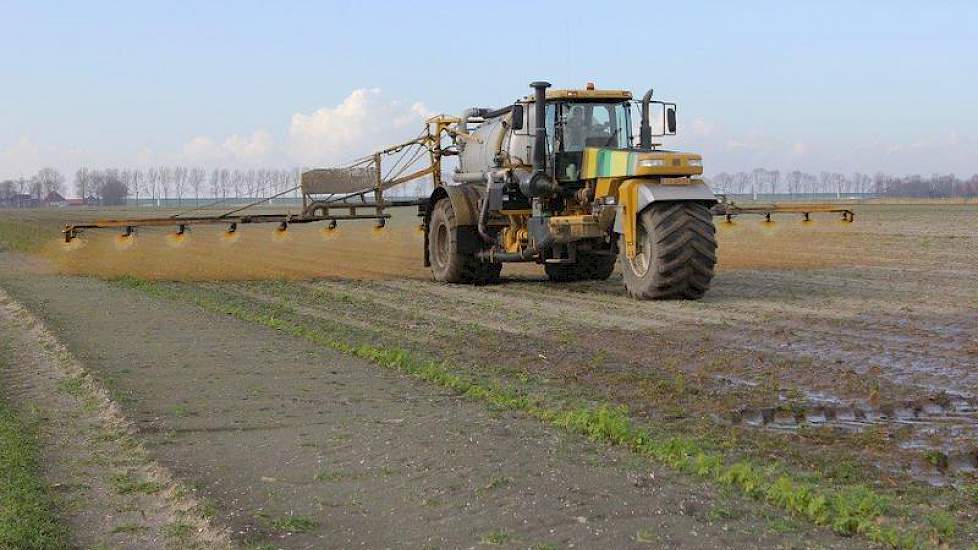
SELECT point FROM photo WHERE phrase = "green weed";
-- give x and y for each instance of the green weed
(646, 536)
(497, 537)
(178, 533)
(942, 524)
(293, 524)
(128, 528)
(127, 484)
(27, 519)
(72, 386)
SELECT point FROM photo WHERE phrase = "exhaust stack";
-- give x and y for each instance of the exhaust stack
(645, 135)
(540, 130)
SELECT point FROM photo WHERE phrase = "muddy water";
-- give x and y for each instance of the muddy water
(941, 428)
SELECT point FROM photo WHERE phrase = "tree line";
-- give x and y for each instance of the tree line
(38, 186)
(111, 186)
(183, 183)
(796, 182)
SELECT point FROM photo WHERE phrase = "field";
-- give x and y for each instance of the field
(311, 389)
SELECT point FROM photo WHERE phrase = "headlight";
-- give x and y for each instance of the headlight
(695, 162)
(652, 163)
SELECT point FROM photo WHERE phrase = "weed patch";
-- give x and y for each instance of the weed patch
(497, 538)
(27, 520)
(127, 484)
(128, 528)
(291, 524)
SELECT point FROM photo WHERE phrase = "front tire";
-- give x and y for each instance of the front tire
(449, 263)
(676, 252)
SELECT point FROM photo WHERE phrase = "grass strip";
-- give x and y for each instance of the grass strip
(27, 520)
(851, 510)
(22, 236)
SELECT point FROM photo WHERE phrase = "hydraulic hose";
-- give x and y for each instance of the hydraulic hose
(484, 214)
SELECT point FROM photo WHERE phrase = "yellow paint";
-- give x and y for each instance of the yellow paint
(619, 164)
(623, 95)
(589, 163)
(628, 199)
(606, 187)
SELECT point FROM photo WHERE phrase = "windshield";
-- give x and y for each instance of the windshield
(594, 125)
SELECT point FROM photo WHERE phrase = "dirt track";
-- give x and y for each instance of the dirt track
(276, 432)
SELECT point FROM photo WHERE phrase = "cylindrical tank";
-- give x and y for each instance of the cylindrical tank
(482, 146)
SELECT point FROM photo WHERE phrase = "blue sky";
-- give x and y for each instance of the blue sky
(825, 85)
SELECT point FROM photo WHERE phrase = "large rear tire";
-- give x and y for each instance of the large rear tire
(676, 252)
(448, 264)
(589, 266)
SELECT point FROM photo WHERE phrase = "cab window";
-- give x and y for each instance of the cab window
(593, 125)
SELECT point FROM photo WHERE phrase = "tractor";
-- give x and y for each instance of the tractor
(557, 178)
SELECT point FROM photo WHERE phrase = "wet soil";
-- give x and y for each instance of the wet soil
(300, 447)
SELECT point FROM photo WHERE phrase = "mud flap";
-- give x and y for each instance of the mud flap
(635, 194)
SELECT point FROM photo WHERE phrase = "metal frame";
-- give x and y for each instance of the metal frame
(729, 210)
(314, 208)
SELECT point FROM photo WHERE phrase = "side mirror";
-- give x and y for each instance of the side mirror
(666, 112)
(517, 116)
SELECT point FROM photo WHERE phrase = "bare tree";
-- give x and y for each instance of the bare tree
(152, 184)
(225, 176)
(7, 188)
(774, 179)
(196, 178)
(82, 181)
(179, 182)
(36, 187)
(138, 180)
(47, 181)
(215, 183)
(166, 180)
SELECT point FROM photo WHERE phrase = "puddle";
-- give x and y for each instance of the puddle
(942, 429)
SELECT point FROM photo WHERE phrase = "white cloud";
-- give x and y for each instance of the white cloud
(201, 149)
(361, 123)
(253, 150)
(249, 149)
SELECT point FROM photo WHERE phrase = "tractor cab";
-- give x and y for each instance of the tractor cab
(597, 124)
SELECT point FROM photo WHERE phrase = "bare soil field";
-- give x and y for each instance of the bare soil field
(827, 385)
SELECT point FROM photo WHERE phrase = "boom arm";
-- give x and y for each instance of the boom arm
(325, 191)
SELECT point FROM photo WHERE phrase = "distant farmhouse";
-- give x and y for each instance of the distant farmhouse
(87, 201)
(55, 199)
(51, 200)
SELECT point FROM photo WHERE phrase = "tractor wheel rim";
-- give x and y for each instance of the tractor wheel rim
(441, 244)
(643, 245)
